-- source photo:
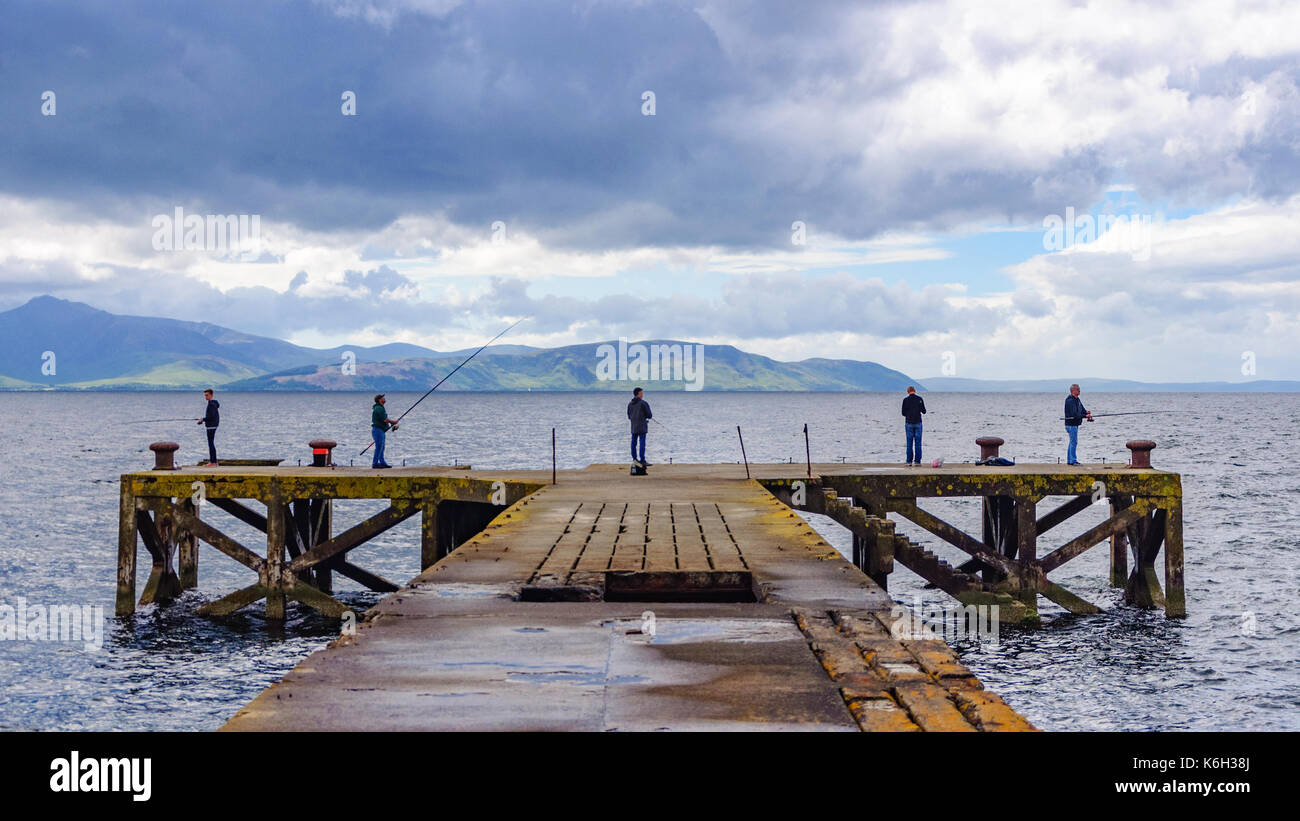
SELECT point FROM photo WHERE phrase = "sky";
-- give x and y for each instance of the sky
(992, 190)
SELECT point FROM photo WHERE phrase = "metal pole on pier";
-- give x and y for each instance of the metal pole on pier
(807, 449)
(742, 450)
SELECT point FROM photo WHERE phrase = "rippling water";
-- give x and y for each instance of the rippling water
(166, 668)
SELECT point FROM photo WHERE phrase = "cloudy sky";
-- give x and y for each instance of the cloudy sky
(1021, 190)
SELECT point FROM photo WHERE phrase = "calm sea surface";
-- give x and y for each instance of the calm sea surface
(167, 669)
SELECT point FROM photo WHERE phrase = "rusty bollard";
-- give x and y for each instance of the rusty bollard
(322, 453)
(1141, 452)
(164, 455)
(989, 446)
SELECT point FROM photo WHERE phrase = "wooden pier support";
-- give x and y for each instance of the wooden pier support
(302, 553)
(1005, 565)
(1006, 562)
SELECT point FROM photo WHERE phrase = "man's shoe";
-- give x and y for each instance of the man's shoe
(645, 464)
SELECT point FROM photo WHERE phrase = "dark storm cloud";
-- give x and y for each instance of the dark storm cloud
(530, 113)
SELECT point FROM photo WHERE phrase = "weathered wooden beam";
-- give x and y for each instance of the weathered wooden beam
(428, 534)
(318, 601)
(126, 550)
(1076, 505)
(1082, 543)
(243, 514)
(1068, 600)
(206, 532)
(1027, 547)
(229, 604)
(322, 518)
(396, 513)
(371, 580)
(292, 484)
(952, 535)
(1013, 483)
(163, 585)
(187, 548)
(1175, 597)
(1143, 589)
(275, 535)
(933, 569)
(1119, 543)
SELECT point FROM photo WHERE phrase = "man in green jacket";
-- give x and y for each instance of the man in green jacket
(379, 425)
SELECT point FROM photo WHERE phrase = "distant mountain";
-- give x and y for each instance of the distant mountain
(574, 368)
(93, 349)
(53, 343)
(89, 348)
(954, 384)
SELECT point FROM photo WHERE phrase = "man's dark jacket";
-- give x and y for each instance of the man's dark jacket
(913, 407)
(1074, 411)
(638, 410)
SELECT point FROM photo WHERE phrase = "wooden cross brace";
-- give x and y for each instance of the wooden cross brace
(1147, 523)
(277, 580)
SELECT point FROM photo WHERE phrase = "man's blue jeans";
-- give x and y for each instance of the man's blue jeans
(638, 438)
(1073, 431)
(378, 436)
(913, 436)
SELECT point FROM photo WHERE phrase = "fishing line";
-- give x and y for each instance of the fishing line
(444, 379)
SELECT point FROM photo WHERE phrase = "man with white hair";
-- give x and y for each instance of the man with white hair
(1075, 413)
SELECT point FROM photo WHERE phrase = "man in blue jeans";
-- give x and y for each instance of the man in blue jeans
(380, 424)
(1075, 413)
(638, 410)
(211, 418)
(913, 407)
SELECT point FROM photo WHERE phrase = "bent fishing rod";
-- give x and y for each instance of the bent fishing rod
(444, 379)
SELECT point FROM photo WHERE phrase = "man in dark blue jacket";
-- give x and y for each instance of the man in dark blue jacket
(913, 407)
(211, 418)
(1075, 413)
(638, 410)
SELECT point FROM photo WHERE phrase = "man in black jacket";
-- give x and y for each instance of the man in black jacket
(1075, 413)
(913, 407)
(211, 418)
(638, 410)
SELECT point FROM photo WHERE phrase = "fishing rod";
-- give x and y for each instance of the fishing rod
(444, 379)
(178, 419)
(1125, 413)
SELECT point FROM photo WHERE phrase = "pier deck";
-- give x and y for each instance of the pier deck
(693, 598)
(458, 649)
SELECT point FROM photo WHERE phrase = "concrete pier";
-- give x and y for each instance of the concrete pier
(693, 598)
(731, 613)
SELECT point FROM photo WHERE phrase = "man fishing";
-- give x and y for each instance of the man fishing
(638, 410)
(1075, 413)
(380, 424)
(211, 418)
(913, 407)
